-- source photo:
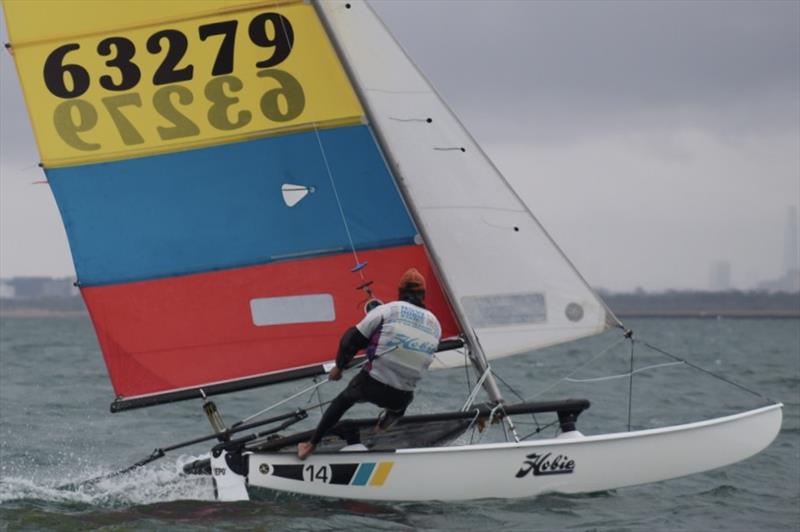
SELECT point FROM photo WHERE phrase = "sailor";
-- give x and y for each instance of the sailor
(401, 338)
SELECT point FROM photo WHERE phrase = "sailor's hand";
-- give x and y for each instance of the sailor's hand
(335, 374)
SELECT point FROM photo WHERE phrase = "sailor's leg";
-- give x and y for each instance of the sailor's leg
(341, 404)
(389, 416)
(393, 401)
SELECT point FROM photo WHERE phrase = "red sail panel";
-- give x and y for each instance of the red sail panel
(196, 330)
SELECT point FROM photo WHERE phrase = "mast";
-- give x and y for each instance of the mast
(475, 351)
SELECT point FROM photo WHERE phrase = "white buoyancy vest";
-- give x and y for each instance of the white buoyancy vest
(402, 340)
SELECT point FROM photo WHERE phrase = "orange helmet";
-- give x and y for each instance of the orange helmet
(412, 280)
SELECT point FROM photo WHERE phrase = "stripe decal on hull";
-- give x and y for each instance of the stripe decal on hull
(363, 474)
(366, 473)
(381, 474)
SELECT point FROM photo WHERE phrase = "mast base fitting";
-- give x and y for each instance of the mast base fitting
(567, 420)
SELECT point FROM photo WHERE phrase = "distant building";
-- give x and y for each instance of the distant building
(6, 290)
(791, 241)
(790, 280)
(39, 287)
(720, 277)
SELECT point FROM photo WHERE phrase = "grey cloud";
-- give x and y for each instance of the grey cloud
(558, 68)
(17, 146)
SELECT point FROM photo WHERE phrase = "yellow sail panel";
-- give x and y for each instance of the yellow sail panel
(74, 18)
(184, 84)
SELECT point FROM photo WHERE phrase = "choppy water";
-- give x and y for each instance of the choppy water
(55, 428)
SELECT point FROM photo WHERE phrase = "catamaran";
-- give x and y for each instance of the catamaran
(240, 180)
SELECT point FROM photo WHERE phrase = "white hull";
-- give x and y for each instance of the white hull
(510, 470)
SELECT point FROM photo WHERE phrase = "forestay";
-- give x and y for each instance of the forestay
(505, 275)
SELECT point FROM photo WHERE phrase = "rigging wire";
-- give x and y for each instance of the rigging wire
(510, 388)
(538, 429)
(279, 403)
(472, 425)
(627, 374)
(519, 396)
(476, 389)
(576, 370)
(319, 397)
(467, 365)
(630, 383)
(358, 266)
(707, 372)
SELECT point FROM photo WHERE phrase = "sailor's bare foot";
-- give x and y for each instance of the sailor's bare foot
(305, 449)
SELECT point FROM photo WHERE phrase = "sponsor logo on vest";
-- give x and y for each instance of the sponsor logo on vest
(543, 464)
(414, 344)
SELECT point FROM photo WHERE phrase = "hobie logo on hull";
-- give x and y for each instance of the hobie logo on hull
(543, 464)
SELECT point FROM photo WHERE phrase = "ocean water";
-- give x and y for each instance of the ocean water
(55, 428)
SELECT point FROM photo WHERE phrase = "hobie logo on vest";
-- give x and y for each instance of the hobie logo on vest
(543, 464)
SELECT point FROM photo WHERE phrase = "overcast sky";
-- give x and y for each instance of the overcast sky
(650, 138)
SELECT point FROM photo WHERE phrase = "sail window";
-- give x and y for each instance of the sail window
(504, 309)
(292, 309)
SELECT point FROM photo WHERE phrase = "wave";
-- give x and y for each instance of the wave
(144, 486)
(723, 490)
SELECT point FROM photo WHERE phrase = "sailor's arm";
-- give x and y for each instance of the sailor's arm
(352, 342)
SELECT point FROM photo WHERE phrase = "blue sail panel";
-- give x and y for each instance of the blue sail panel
(230, 206)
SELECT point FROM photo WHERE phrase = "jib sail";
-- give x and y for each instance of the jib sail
(506, 278)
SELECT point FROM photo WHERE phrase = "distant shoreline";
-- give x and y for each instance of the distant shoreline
(42, 313)
(677, 314)
(710, 314)
(671, 304)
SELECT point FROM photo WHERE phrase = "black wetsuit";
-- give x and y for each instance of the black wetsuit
(363, 388)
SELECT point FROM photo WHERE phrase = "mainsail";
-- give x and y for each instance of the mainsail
(170, 138)
(221, 170)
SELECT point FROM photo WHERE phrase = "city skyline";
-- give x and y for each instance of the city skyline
(649, 139)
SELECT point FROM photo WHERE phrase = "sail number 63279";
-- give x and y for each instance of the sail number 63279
(67, 80)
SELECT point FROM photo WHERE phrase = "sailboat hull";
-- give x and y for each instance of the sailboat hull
(578, 464)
